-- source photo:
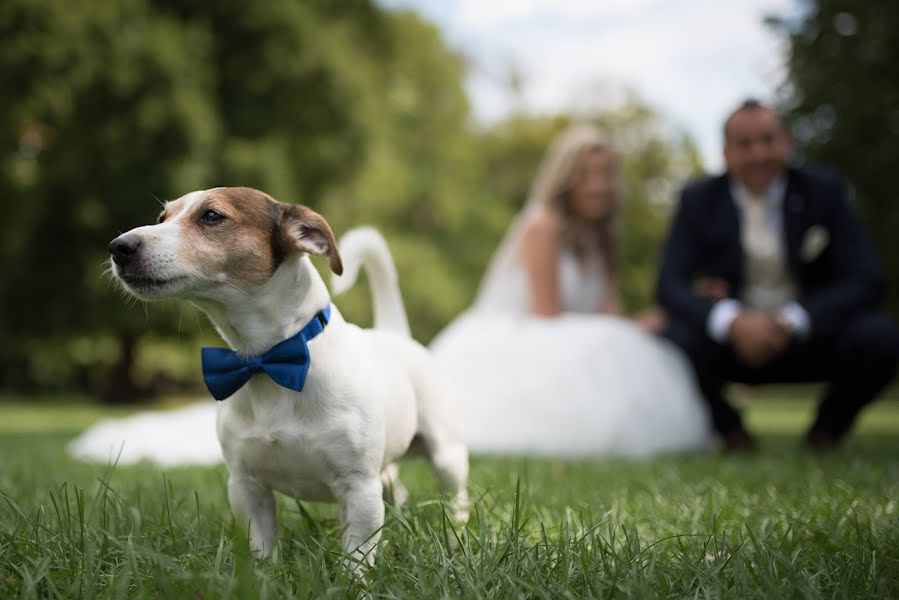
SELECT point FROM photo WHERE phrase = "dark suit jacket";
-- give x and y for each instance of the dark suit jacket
(843, 280)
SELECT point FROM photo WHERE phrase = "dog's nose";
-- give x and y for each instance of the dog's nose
(124, 247)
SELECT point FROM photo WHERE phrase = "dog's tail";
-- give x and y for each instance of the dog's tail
(365, 247)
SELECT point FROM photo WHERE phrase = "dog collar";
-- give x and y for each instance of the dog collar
(287, 362)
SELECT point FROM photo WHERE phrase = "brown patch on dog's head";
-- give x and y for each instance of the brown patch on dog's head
(232, 237)
(227, 234)
(241, 235)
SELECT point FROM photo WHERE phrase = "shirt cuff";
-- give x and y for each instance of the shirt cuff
(723, 314)
(797, 319)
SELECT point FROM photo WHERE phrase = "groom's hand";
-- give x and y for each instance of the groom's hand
(757, 337)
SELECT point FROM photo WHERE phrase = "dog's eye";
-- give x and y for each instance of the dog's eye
(210, 216)
(161, 218)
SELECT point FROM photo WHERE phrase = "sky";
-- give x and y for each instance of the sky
(691, 60)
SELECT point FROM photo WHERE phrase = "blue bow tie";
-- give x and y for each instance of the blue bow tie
(287, 363)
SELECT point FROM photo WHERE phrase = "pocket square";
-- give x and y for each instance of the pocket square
(813, 244)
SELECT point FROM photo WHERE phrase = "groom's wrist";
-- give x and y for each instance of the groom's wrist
(795, 319)
(721, 318)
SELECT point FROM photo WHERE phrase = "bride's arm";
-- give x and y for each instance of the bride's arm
(540, 255)
(611, 299)
(652, 320)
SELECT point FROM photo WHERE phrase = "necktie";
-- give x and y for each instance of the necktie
(287, 363)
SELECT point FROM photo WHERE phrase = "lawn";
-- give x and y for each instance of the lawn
(782, 524)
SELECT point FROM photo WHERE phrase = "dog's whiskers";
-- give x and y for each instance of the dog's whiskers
(197, 317)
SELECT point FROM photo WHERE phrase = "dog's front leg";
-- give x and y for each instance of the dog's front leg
(253, 502)
(361, 517)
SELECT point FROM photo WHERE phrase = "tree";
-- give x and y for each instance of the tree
(842, 99)
(102, 106)
(421, 182)
(106, 106)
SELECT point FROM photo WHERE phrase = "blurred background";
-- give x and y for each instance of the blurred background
(425, 119)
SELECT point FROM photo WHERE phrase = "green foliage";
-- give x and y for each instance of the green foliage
(420, 184)
(354, 110)
(103, 107)
(779, 525)
(842, 98)
(281, 91)
(108, 106)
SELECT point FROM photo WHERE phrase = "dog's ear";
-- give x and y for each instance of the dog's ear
(305, 230)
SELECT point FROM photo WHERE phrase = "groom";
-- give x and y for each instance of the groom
(791, 283)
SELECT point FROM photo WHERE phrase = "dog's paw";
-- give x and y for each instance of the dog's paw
(459, 510)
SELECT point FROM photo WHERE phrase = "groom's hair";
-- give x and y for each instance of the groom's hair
(754, 104)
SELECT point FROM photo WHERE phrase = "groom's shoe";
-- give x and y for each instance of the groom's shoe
(738, 441)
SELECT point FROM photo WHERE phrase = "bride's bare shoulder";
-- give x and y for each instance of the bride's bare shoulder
(540, 237)
(541, 226)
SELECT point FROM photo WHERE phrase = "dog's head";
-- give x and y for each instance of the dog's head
(214, 239)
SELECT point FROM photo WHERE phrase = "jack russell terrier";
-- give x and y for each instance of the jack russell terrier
(314, 407)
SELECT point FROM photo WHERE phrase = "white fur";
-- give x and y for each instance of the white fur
(368, 393)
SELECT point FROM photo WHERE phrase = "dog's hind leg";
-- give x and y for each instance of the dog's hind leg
(394, 491)
(253, 502)
(450, 462)
(361, 517)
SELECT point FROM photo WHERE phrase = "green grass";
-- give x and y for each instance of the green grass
(781, 524)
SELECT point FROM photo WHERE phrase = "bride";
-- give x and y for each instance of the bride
(543, 362)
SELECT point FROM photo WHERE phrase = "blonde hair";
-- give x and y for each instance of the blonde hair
(555, 180)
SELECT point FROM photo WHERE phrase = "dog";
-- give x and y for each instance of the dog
(369, 396)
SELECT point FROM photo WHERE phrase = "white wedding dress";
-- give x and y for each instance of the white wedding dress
(169, 438)
(578, 384)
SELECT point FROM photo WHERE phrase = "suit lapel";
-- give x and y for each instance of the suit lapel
(730, 223)
(792, 217)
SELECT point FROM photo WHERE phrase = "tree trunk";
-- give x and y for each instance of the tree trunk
(120, 387)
